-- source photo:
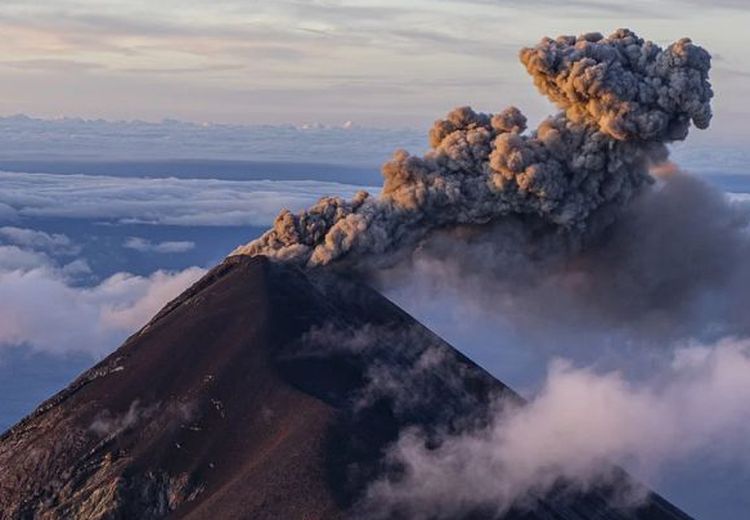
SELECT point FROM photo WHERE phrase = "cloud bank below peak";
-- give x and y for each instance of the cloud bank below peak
(92, 319)
(164, 201)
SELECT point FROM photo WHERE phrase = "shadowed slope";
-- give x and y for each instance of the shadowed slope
(261, 392)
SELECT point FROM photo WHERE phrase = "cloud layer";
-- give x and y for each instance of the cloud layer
(52, 242)
(43, 305)
(75, 138)
(41, 309)
(167, 201)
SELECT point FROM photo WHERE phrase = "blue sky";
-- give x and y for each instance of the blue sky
(378, 63)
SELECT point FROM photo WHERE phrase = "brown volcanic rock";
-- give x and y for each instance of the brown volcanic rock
(250, 397)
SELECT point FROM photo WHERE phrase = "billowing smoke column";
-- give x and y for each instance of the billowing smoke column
(622, 98)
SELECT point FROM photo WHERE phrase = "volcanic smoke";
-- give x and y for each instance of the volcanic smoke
(622, 99)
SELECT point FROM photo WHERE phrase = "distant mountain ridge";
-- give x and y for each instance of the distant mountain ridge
(78, 139)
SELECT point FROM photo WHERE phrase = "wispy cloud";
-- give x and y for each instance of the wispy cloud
(146, 246)
(57, 243)
(279, 62)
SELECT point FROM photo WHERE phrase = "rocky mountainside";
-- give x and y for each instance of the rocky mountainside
(261, 393)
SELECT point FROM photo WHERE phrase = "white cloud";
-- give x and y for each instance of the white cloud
(580, 421)
(146, 246)
(739, 198)
(76, 268)
(7, 212)
(38, 240)
(130, 301)
(168, 201)
(40, 306)
(14, 258)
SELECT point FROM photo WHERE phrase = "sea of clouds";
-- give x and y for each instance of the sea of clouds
(164, 201)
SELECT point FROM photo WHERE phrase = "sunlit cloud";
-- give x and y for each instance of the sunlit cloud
(79, 319)
(289, 61)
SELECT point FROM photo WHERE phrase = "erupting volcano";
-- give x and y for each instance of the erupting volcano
(278, 385)
(262, 392)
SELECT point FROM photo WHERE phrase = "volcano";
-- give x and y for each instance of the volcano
(262, 392)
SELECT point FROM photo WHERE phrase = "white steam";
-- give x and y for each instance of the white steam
(572, 431)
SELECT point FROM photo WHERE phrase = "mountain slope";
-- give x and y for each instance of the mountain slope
(262, 392)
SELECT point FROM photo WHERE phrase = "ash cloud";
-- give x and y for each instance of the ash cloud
(673, 267)
(622, 99)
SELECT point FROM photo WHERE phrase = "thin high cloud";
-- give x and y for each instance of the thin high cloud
(166, 201)
(231, 50)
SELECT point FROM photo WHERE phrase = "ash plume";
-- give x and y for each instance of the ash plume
(621, 98)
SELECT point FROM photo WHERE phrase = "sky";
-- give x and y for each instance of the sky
(377, 63)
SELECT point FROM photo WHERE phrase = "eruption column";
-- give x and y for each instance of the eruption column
(621, 100)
